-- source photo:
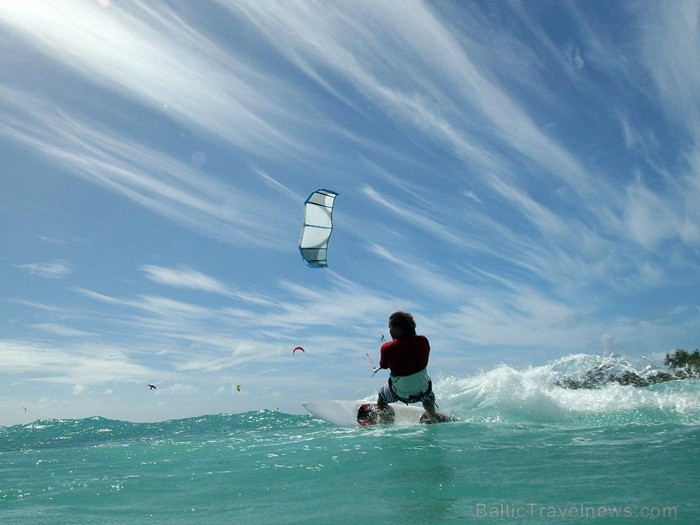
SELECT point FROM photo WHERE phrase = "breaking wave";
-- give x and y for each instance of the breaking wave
(543, 394)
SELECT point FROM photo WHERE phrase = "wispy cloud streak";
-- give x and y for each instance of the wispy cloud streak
(151, 178)
(151, 54)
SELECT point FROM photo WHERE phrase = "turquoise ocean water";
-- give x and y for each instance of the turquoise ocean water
(525, 451)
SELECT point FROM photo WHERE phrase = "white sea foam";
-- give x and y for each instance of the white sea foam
(536, 395)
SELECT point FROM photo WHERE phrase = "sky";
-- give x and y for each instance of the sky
(523, 177)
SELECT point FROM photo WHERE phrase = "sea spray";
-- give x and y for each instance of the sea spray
(535, 395)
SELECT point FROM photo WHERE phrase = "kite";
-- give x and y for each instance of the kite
(317, 228)
(151, 387)
(298, 348)
(238, 388)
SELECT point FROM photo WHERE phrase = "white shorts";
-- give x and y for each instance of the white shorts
(388, 396)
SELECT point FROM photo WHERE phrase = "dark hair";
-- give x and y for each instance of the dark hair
(404, 322)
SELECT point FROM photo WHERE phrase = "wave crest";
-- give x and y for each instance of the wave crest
(539, 395)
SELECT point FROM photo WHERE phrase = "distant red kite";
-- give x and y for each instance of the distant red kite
(298, 348)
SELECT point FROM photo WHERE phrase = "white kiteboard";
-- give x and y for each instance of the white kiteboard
(362, 413)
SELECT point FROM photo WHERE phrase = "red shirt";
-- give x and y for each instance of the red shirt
(406, 355)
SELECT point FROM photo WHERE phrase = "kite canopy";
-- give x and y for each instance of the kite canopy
(317, 228)
(298, 348)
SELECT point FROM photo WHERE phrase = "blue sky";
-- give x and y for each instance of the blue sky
(524, 177)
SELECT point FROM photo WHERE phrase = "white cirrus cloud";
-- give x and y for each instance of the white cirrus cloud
(52, 270)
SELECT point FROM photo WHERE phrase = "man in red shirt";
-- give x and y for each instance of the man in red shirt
(406, 356)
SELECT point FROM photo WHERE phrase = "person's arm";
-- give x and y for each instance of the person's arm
(383, 361)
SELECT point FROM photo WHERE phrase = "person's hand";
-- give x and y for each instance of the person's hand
(376, 369)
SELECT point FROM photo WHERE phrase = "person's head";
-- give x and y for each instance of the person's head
(401, 324)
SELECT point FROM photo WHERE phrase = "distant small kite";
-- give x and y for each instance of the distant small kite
(238, 388)
(298, 348)
(151, 387)
(24, 408)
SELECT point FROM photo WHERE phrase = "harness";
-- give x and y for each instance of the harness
(403, 387)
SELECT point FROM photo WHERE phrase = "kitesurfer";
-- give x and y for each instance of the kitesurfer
(406, 356)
